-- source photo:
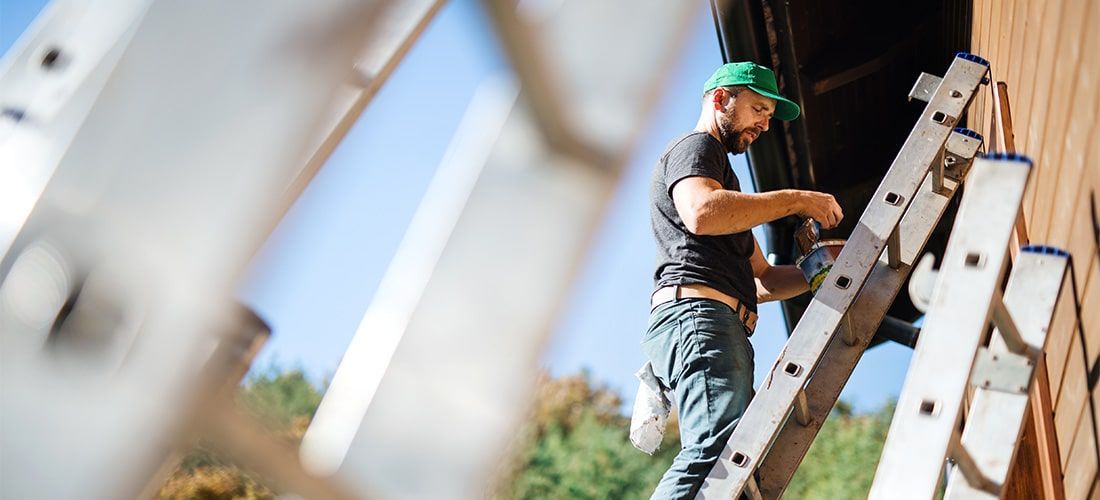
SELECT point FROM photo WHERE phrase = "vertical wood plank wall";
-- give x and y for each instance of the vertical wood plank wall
(1048, 51)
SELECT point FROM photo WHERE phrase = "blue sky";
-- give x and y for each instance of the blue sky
(318, 272)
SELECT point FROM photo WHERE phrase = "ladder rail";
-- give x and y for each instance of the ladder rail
(997, 415)
(930, 404)
(768, 411)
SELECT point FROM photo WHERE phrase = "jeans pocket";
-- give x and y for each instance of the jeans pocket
(717, 342)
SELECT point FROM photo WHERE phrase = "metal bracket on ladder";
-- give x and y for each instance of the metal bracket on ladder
(1004, 371)
(952, 164)
(924, 424)
(925, 87)
(787, 388)
(960, 149)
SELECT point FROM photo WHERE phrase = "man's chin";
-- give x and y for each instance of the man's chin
(739, 145)
(742, 145)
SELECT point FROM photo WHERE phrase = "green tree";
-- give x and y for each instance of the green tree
(285, 401)
(281, 397)
(841, 462)
(575, 445)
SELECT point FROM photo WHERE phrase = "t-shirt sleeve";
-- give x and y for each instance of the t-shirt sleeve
(696, 155)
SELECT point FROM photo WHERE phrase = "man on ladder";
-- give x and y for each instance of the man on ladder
(710, 271)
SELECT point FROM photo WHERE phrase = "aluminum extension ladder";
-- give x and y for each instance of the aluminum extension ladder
(899, 219)
(950, 356)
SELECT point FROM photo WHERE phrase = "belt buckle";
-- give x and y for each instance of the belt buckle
(746, 317)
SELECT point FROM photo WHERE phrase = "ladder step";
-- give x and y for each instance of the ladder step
(969, 469)
(802, 409)
(893, 247)
(752, 490)
(1015, 342)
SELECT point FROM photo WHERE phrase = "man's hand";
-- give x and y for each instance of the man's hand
(821, 206)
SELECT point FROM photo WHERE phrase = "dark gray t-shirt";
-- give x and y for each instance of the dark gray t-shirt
(720, 262)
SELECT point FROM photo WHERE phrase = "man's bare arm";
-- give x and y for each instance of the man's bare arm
(775, 282)
(708, 210)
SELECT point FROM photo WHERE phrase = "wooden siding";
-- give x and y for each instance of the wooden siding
(1048, 52)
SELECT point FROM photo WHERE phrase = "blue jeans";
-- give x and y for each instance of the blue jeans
(699, 349)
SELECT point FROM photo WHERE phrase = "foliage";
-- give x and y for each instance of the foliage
(209, 483)
(286, 401)
(281, 397)
(841, 462)
(574, 445)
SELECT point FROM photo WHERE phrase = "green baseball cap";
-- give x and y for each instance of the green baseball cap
(756, 77)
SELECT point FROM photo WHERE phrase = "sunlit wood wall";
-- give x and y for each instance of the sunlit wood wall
(1048, 52)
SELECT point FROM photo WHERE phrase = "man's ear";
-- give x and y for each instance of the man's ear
(717, 97)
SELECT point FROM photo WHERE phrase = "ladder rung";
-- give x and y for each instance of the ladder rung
(938, 173)
(848, 334)
(893, 249)
(752, 489)
(802, 409)
(1015, 342)
(971, 471)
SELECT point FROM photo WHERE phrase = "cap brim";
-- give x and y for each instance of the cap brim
(785, 109)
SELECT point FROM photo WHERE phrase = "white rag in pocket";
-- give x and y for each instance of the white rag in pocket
(651, 409)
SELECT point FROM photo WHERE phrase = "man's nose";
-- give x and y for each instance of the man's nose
(763, 125)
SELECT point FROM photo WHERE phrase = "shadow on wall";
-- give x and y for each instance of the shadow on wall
(1092, 365)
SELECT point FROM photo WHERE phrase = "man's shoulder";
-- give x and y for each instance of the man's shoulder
(692, 141)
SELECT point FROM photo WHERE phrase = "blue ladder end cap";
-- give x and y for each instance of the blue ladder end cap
(1008, 157)
(969, 133)
(1045, 250)
(971, 57)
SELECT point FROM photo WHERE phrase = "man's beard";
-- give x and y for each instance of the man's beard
(736, 141)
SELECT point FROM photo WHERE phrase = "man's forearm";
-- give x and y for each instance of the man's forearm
(728, 212)
(780, 283)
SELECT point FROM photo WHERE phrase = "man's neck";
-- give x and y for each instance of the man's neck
(707, 124)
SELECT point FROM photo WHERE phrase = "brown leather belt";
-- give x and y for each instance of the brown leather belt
(673, 292)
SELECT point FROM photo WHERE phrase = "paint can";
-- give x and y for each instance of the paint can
(816, 263)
